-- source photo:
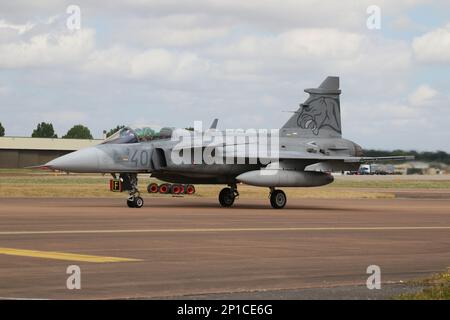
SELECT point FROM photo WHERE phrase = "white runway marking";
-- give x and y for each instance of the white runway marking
(198, 230)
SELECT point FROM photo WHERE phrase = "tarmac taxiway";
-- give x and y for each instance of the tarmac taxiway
(191, 247)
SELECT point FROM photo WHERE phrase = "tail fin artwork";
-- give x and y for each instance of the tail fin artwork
(319, 115)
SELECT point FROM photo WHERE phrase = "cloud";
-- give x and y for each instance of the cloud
(165, 36)
(19, 28)
(64, 117)
(319, 50)
(134, 64)
(174, 30)
(174, 62)
(423, 95)
(405, 23)
(167, 65)
(434, 46)
(47, 49)
(297, 43)
(263, 14)
(4, 90)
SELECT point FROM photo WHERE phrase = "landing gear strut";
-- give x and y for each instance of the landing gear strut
(228, 195)
(130, 183)
(277, 198)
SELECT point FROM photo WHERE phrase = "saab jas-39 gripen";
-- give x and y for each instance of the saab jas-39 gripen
(303, 153)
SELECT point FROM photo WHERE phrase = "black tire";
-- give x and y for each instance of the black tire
(278, 199)
(138, 202)
(226, 197)
(130, 203)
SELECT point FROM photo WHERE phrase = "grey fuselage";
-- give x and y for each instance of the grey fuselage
(155, 157)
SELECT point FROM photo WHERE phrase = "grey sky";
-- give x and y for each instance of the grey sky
(245, 62)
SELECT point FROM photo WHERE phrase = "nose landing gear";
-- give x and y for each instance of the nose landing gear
(136, 202)
(130, 183)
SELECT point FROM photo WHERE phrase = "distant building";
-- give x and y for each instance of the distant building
(19, 152)
(419, 167)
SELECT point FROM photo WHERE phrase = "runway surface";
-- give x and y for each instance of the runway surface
(175, 247)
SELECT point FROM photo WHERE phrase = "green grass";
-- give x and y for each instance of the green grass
(61, 179)
(62, 185)
(23, 176)
(436, 288)
(21, 171)
(38, 183)
(393, 184)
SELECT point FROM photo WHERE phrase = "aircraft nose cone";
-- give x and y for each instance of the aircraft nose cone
(84, 160)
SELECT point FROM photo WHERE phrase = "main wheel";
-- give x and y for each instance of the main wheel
(138, 202)
(226, 197)
(278, 199)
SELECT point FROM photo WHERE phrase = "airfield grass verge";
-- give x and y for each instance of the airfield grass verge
(95, 190)
(393, 183)
(37, 183)
(437, 287)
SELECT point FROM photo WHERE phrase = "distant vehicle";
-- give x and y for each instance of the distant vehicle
(310, 146)
(380, 169)
(364, 169)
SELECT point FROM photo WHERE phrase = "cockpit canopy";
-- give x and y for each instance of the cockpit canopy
(137, 134)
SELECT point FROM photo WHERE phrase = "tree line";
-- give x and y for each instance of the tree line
(425, 156)
(46, 130)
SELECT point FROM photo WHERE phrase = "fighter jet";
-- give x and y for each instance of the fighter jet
(303, 153)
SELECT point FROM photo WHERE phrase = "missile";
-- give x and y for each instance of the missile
(285, 178)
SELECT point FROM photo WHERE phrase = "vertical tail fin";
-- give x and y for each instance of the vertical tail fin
(319, 115)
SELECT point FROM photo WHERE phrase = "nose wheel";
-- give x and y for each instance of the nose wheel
(278, 199)
(136, 202)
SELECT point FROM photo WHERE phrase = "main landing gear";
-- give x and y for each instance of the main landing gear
(277, 198)
(227, 196)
